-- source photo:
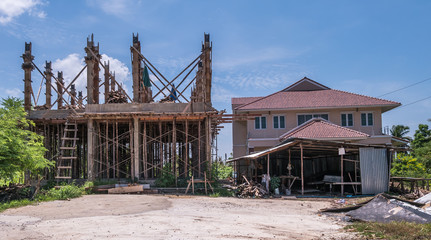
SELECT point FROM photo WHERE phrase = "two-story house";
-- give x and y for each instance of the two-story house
(293, 108)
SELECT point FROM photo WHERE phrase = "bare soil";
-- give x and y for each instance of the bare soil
(171, 217)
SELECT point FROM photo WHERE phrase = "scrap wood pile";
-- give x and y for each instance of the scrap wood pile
(249, 189)
(14, 192)
(116, 97)
(166, 99)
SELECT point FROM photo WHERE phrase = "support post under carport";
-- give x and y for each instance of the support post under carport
(267, 174)
(342, 175)
(302, 169)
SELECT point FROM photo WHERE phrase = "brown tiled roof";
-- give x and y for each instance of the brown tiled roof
(315, 99)
(318, 128)
(244, 100)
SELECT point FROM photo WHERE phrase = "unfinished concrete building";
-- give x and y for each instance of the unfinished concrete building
(122, 136)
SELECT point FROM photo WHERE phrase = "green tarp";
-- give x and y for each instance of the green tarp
(146, 77)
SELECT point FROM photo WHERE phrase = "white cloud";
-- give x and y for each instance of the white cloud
(254, 57)
(73, 63)
(15, 92)
(117, 8)
(70, 66)
(122, 72)
(10, 9)
(222, 95)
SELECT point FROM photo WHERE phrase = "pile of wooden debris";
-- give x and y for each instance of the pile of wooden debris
(15, 192)
(116, 97)
(249, 189)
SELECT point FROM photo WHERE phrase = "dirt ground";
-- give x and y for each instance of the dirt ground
(171, 217)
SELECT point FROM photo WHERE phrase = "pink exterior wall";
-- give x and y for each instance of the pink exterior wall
(242, 132)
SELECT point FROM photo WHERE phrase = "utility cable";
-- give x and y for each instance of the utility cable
(411, 85)
(420, 100)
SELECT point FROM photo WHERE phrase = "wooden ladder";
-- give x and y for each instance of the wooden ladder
(67, 151)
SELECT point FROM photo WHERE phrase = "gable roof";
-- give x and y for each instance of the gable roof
(305, 84)
(308, 94)
(318, 128)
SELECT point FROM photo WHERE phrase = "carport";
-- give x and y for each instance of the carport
(306, 165)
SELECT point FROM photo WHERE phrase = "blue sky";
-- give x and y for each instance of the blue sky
(259, 47)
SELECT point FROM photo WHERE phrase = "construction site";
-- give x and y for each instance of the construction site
(105, 133)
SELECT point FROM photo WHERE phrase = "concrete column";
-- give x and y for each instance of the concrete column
(73, 93)
(48, 75)
(27, 67)
(90, 150)
(207, 70)
(60, 90)
(136, 69)
(106, 81)
(92, 71)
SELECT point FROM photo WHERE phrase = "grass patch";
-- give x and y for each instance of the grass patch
(392, 230)
(64, 192)
(222, 192)
(15, 204)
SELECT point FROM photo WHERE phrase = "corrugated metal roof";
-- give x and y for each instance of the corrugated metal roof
(265, 152)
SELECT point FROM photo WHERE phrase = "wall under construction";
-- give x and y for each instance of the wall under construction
(125, 137)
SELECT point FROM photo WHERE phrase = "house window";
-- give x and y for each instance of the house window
(347, 119)
(260, 123)
(302, 118)
(279, 122)
(367, 119)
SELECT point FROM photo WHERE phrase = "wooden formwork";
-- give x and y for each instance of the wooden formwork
(133, 138)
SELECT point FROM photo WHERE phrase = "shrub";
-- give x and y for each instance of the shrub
(221, 170)
(66, 192)
(167, 179)
(274, 183)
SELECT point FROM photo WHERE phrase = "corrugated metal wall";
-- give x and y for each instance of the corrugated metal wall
(374, 170)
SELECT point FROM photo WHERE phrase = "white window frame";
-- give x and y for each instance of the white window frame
(260, 122)
(279, 125)
(366, 119)
(347, 119)
(312, 116)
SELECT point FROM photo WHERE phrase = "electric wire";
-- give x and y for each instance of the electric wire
(411, 85)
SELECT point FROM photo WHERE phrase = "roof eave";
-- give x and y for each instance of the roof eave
(385, 107)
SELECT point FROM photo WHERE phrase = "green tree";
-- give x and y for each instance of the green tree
(400, 131)
(221, 170)
(422, 136)
(20, 148)
(423, 154)
(407, 166)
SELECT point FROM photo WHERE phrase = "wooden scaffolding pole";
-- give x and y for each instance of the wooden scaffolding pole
(107, 148)
(113, 149)
(144, 150)
(208, 145)
(199, 149)
(174, 148)
(160, 147)
(132, 147)
(117, 154)
(186, 159)
(90, 149)
(136, 147)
